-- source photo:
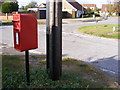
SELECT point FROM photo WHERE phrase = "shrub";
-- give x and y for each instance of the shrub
(9, 7)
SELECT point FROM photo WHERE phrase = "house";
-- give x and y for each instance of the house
(72, 9)
(91, 6)
(2, 1)
(41, 12)
(42, 5)
(104, 7)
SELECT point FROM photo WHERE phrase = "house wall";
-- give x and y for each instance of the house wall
(66, 5)
(68, 9)
(91, 6)
(42, 14)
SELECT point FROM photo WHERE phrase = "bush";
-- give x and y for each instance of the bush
(97, 15)
(90, 12)
(9, 7)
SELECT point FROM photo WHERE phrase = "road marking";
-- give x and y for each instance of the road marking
(105, 70)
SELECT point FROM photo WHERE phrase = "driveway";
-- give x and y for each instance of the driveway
(101, 52)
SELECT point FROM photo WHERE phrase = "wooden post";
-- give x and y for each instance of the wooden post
(54, 38)
(6, 16)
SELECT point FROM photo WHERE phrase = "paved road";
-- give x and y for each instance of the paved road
(100, 52)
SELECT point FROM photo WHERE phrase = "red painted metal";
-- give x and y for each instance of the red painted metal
(25, 32)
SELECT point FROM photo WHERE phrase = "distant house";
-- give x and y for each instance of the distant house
(104, 7)
(42, 5)
(41, 12)
(91, 6)
(72, 9)
(2, 1)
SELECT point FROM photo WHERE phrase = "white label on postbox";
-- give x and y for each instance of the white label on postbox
(17, 38)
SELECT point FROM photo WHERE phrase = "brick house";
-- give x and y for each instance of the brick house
(70, 9)
(104, 7)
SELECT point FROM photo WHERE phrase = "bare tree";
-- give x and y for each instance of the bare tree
(113, 6)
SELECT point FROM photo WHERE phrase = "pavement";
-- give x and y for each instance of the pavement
(100, 52)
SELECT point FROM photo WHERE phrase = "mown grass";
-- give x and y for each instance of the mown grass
(9, 22)
(83, 19)
(102, 30)
(76, 74)
(41, 22)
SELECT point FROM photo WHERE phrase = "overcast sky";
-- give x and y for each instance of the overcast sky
(98, 2)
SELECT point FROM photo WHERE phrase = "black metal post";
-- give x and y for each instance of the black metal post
(47, 35)
(27, 67)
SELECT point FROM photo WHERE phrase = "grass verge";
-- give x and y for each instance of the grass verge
(102, 30)
(83, 19)
(41, 22)
(9, 22)
(76, 74)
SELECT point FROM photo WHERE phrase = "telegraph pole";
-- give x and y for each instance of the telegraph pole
(54, 38)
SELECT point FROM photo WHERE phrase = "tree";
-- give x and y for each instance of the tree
(96, 10)
(32, 4)
(90, 11)
(15, 7)
(9, 7)
(110, 8)
(113, 7)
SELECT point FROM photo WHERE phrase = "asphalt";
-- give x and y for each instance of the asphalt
(100, 52)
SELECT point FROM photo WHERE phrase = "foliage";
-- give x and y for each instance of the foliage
(9, 7)
(32, 4)
(7, 22)
(96, 10)
(90, 11)
(23, 7)
(101, 31)
(41, 22)
(113, 8)
(76, 74)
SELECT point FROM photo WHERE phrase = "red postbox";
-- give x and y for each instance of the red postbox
(25, 32)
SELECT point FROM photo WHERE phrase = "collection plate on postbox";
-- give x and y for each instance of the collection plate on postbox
(25, 32)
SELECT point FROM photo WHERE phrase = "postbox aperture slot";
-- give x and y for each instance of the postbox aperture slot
(15, 21)
(17, 38)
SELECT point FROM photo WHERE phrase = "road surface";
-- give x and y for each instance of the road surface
(101, 52)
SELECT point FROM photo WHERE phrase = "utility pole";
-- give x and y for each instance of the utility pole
(54, 38)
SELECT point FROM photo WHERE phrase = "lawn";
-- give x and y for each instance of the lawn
(9, 22)
(101, 30)
(83, 19)
(76, 74)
